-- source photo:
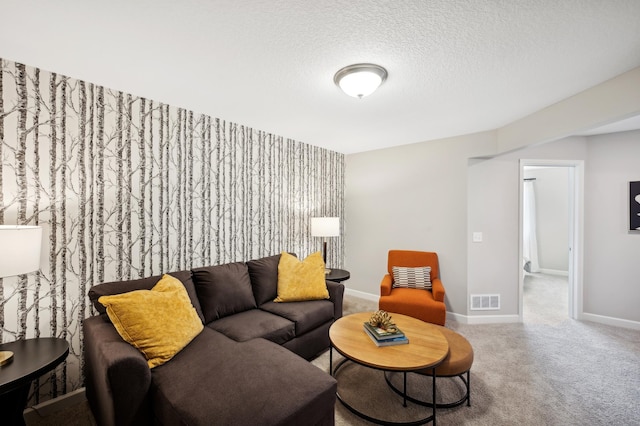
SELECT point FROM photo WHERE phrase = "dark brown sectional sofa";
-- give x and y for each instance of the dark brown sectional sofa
(247, 367)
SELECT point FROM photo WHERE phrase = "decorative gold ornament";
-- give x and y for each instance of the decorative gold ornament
(382, 319)
(5, 357)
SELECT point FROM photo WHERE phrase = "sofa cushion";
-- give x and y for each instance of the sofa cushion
(223, 290)
(119, 287)
(218, 381)
(255, 323)
(264, 278)
(310, 345)
(306, 315)
(158, 322)
(301, 280)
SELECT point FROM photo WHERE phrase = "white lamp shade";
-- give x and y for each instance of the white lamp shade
(20, 247)
(325, 226)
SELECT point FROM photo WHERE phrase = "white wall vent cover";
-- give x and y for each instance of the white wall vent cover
(485, 302)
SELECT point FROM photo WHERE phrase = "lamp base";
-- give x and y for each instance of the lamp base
(5, 357)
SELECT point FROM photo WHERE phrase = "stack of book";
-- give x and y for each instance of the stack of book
(383, 337)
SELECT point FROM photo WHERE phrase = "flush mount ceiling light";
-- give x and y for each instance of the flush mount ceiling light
(360, 80)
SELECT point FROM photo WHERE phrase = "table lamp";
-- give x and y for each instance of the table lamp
(20, 247)
(325, 227)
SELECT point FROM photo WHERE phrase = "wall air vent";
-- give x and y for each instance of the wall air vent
(485, 302)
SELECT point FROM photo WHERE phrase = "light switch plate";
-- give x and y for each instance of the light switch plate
(477, 237)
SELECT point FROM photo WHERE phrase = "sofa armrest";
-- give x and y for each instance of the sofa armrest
(437, 289)
(117, 376)
(385, 285)
(336, 295)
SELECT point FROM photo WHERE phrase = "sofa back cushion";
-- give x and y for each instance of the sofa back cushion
(223, 290)
(119, 287)
(264, 278)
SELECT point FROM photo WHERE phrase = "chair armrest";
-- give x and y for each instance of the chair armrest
(336, 295)
(385, 285)
(437, 289)
(117, 376)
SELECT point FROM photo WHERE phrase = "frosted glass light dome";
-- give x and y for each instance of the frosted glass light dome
(360, 80)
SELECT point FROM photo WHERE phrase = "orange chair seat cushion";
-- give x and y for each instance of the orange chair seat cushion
(414, 303)
(459, 359)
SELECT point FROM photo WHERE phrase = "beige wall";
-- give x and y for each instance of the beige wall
(611, 101)
(412, 197)
(612, 252)
(494, 266)
(433, 195)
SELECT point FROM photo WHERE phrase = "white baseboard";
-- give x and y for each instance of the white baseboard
(554, 272)
(451, 316)
(361, 294)
(504, 319)
(54, 405)
(617, 322)
(482, 319)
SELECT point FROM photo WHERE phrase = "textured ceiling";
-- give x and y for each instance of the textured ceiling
(455, 66)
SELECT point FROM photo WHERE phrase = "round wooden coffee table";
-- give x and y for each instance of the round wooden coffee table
(426, 349)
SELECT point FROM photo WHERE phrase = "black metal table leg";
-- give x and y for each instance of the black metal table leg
(360, 414)
(404, 394)
(331, 360)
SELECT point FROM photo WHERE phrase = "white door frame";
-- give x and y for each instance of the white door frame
(576, 231)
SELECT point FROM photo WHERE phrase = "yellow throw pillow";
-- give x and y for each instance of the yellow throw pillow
(158, 322)
(301, 280)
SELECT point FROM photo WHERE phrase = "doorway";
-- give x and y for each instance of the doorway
(551, 275)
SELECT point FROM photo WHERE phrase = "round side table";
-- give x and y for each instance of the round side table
(31, 359)
(338, 275)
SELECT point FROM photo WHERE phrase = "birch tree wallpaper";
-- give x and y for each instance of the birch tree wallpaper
(126, 187)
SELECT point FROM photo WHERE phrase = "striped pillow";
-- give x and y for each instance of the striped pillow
(412, 277)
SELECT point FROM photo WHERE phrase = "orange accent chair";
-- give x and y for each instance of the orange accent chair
(417, 303)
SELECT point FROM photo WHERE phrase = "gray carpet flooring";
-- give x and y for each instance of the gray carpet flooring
(549, 370)
(546, 299)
